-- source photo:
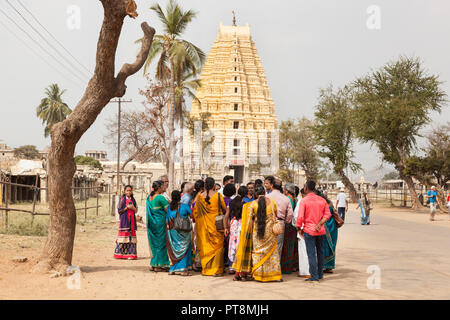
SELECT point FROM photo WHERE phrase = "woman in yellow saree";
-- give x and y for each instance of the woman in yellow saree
(209, 240)
(243, 260)
(265, 259)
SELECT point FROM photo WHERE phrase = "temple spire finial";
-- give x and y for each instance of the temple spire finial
(234, 18)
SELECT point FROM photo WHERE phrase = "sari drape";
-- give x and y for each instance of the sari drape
(365, 211)
(330, 241)
(179, 247)
(209, 240)
(265, 257)
(289, 253)
(243, 258)
(156, 230)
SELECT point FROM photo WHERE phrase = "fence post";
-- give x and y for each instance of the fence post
(85, 204)
(6, 204)
(97, 204)
(34, 198)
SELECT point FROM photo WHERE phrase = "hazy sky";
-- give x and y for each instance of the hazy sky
(303, 45)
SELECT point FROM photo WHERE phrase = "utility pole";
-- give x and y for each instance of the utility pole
(119, 101)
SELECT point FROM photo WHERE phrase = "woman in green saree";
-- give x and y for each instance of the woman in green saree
(156, 227)
(330, 239)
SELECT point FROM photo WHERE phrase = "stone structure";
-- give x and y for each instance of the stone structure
(242, 123)
(97, 155)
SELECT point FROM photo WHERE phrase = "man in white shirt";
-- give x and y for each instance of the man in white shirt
(342, 203)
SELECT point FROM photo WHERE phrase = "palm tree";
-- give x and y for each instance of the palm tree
(186, 84)
(173, 54)
(52, 109)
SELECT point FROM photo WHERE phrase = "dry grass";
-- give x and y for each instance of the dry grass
(20, 223)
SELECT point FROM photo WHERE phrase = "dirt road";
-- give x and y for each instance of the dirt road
(409, 254)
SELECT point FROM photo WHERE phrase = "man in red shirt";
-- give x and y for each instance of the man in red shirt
(312, 215)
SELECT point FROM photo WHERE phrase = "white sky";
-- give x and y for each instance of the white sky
(303, 45)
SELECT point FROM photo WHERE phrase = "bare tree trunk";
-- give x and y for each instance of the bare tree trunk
(410, 183)
(442, 203)
(103, 86)
(349, 185)
(181, 149)
(171, 119)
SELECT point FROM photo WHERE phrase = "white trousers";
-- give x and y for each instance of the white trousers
(303, 264)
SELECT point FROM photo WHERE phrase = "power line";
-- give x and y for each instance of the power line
(43, 38)
(37, 54)
(40, 46)
(54, 38)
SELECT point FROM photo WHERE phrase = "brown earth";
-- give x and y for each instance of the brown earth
(411, 253)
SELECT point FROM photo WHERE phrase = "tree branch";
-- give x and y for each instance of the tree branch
(130, 69)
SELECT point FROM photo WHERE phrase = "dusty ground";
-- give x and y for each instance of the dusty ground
(411, 253)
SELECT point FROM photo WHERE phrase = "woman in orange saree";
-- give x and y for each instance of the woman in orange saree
(209, 240)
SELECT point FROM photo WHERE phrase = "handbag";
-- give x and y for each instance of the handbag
(278, 225)
(182, 224)
(337, 218)
(220, 219)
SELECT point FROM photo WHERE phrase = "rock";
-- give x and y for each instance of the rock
(20, 259)
(82, 230)
(55, 274)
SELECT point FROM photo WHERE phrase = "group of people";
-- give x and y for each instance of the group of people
(256, 231)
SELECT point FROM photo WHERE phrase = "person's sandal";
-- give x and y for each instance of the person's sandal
(171, 273)
(218, 275)
(238, 278)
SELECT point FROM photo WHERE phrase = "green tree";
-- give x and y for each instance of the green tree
(298, 147)
(89, 161)
(28, 152)
(334, 133)
(173, 52)
(205, 138)
(434, 167)
(391, 176)
(392, 104)
(52, 109)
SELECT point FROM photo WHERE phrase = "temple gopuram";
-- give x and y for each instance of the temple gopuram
(234, 99)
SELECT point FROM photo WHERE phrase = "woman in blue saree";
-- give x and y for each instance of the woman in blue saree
(179, 246)
(156, 227)
(364, 205)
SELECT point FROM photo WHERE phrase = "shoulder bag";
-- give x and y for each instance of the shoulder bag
(220, 219)
(182, 224)
(278, 225)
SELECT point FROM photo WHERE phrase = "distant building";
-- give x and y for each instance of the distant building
(6, 153)
(97, 155)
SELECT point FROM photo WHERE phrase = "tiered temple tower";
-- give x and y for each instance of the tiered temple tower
(242, 120)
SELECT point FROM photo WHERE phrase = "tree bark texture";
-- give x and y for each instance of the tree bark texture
(102, 87)
(349, 185)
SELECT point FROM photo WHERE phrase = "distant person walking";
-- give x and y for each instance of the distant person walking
(342, 203)
(364, 205)
(432, 194)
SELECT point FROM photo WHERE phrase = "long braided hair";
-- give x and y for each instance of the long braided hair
(209, 185)
(236, 204)
(261, 213)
